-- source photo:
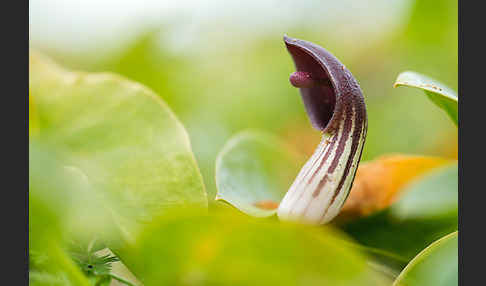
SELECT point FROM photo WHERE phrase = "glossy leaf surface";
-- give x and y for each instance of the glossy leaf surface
(444, 97)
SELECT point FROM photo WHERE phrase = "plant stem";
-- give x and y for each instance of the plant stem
(121, 279)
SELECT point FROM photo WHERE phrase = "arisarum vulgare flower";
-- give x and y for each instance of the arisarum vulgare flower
(335, 106)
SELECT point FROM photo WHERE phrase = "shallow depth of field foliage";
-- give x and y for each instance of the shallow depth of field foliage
(158, 153)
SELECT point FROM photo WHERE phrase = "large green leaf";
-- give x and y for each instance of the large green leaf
(435, 265)
(434, 196)
(439, 93)
(120, 138)
(229, 248)
(254, 171)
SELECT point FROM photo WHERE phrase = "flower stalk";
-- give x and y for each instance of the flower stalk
(335, 105)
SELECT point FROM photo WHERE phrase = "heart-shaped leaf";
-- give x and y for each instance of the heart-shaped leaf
(254, 171)
(435, 265)
(439, 93)
(228, 248)
(434, 196)
(119, 137)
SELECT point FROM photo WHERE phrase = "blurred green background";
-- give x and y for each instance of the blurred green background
(222, 65)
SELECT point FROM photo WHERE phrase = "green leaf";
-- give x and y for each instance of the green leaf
(439, 93)
(49, 262)
(433, 196)
(435, 265)
(426, 212)
(402, 237)
(119, 138)
(254, 171)
(229, 248)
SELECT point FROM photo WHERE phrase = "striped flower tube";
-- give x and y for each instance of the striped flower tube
(335, 106)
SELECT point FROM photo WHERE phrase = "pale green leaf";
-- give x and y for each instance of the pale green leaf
(120, 139)
(444, 97)
(436, 265)
(254, 171)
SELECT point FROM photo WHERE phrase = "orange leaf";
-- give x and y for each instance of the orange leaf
(378, 183)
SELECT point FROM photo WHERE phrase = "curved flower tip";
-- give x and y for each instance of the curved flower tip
(335, 105)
